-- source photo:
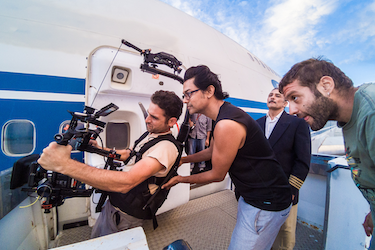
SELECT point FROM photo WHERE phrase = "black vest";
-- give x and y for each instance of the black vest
(255, 172)
(139, 202)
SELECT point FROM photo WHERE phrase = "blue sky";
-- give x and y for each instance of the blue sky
(284, 32)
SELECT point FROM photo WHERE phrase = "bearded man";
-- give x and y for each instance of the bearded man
(319, 91)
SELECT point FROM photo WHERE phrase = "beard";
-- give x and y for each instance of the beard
(322, 110)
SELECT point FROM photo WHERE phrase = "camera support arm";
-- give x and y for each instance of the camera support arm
(158, 58)
(91, 149)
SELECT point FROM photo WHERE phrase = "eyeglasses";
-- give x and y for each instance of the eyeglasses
(188, 94)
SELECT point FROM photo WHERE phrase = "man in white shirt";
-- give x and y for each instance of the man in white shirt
(118, 214)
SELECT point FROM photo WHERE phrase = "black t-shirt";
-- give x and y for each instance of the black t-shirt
(255, 172)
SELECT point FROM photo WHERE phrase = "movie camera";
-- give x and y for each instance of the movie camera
(55, 187)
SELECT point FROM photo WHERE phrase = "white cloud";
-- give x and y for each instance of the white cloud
(358, 35)
(189, 7)
(282, 32)
(243, 4)
(284, 29)
(289, 26)
(221, 15)
(366, 25)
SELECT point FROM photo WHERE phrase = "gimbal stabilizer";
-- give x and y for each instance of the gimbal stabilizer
(55, 187)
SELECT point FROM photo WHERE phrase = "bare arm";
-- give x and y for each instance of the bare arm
(203, 155)
(207, 142)
(57, 158)
(229, 137)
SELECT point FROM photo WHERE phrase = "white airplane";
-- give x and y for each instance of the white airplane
(63, 55)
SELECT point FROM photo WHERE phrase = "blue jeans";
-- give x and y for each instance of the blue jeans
(195, 146)
(255, 228)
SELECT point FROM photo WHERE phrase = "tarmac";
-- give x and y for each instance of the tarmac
(205, 223)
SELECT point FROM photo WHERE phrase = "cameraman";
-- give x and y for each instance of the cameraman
(164, 110)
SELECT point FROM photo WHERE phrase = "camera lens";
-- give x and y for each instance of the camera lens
(44, 190)
(120, 76)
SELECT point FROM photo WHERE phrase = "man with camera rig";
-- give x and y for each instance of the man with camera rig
(128, 191)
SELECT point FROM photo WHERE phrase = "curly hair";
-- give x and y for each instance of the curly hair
(204, 77)
(169, 102)
(309, 73)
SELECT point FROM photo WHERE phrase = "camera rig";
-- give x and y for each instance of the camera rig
(151, 60)
(53, 186)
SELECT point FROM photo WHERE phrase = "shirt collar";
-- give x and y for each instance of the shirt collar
(154, 135)
(276, 117)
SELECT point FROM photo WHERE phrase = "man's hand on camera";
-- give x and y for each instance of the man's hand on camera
(55, 157)
(94, 143)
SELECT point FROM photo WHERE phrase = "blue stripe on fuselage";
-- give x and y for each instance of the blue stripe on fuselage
(247, 103)
(41, 83)
(242, 103)
(46, 115)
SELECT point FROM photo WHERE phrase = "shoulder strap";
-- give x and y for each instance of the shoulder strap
(168, 137)
(133, 152)
(148, 145)
(138, 202)
(172, 172)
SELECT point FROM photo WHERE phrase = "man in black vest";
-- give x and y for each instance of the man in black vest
(239, 147)
(289, 137)
(164, 110)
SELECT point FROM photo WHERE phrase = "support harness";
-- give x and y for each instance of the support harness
(139, 202)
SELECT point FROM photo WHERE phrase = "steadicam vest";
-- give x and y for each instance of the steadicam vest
(139, 202)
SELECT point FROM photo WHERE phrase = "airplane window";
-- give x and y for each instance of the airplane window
(117, 135)
(119, 75)
(18, 138)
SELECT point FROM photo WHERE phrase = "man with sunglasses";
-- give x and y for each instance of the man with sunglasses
(239, 147)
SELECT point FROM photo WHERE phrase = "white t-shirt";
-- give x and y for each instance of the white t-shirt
(165, 152)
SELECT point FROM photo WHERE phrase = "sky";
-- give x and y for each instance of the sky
(284, 32)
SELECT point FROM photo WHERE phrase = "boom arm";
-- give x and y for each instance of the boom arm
(158, 58)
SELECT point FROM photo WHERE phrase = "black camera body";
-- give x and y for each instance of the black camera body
(53, 186)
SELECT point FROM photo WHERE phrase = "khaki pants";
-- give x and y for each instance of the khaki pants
(286, 239)
(111, 220)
